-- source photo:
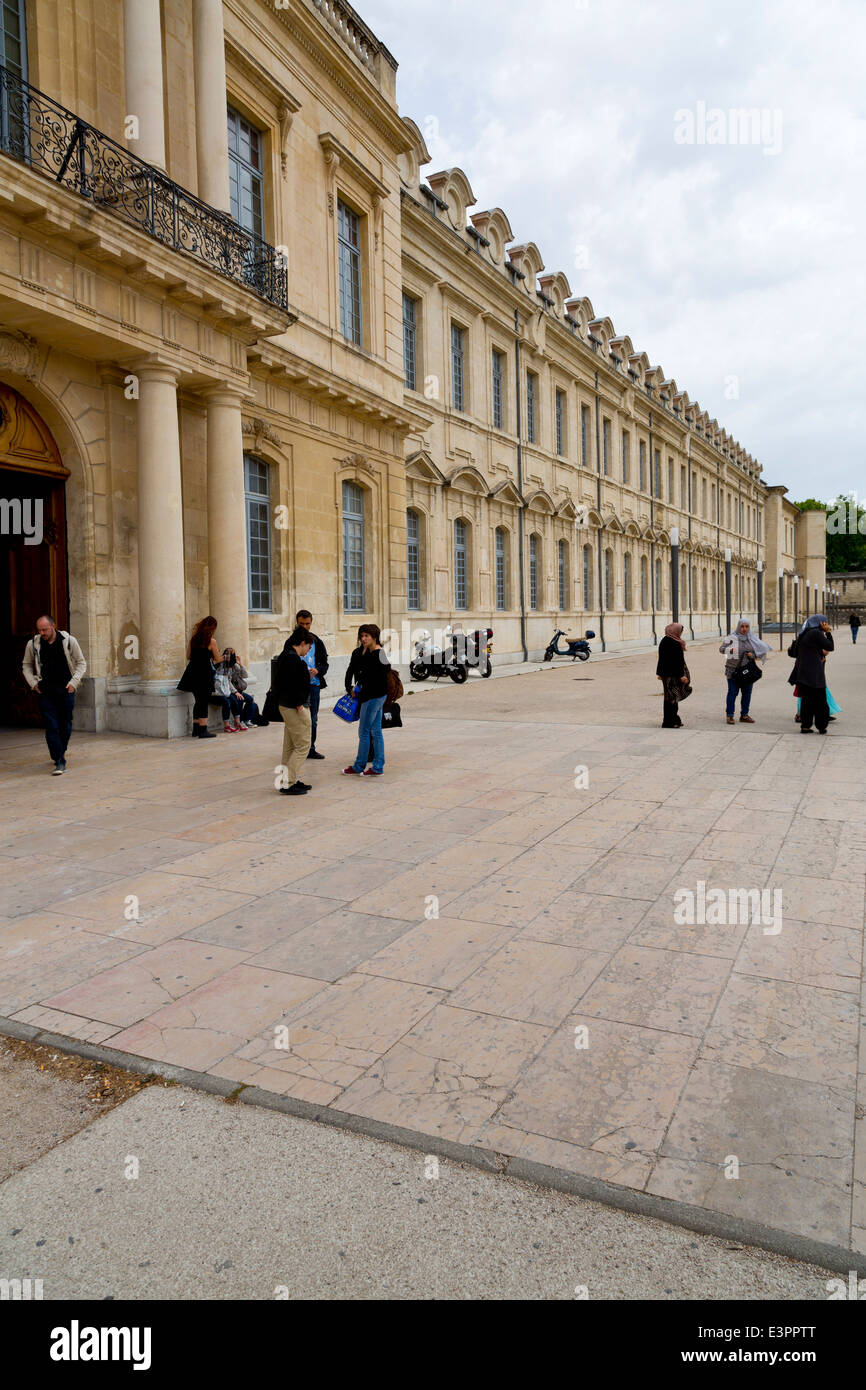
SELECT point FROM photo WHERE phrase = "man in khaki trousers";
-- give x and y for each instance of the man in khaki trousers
(293, 698)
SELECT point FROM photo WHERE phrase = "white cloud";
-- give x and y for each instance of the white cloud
(718, 260)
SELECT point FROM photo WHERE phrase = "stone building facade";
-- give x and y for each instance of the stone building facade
(249, 363)
(796, 556)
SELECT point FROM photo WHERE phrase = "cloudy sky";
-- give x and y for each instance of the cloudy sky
(737, 266)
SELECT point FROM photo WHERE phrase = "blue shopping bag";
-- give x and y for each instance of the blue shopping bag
(348, 708)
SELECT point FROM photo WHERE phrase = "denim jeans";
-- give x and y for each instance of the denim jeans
(745, 701)
(56, 708)
(231, 708)
(370, 727)
(315, 697)
(854, 631)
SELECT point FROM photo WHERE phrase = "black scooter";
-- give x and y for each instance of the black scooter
(578, 649)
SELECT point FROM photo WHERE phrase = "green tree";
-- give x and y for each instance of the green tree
(846, 532)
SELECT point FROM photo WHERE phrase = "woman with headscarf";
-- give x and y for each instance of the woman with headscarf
(673, 673)
(813, 642)
(741, 648)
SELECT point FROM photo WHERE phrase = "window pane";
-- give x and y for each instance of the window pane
(257, 506)
(460, 589)
(413, 561)
(533, 571)
(409, 331)
(349, 247)
(246, 189)
(457, 392)
(497, 388)
(501, 586)
(353, 548)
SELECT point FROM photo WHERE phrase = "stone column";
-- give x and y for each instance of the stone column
(162, 607)
(226, 520)
(142, 51)
(211, 130)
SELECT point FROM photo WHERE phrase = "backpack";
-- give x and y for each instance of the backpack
(394, 686)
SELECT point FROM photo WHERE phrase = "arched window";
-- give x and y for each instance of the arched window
(608, 579)
(626, 581)
(501, 552)
(660, 588)
(587, 577)
(644, 583)
(413, 559)
(562, 555)
(684, 591)
(534, 548)
(354, 589)
(715, 588)
(257, 500)
(704, 589)
(461, 564)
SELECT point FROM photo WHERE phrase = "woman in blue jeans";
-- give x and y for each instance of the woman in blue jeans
(740, 647)
(372, 668)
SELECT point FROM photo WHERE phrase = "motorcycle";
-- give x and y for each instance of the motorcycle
(431, 660)
(578, 648)
(480, 646)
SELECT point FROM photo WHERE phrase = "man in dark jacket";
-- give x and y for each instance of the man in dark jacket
(854, 621)
(293, 698)
(814, 641)
(317, 661)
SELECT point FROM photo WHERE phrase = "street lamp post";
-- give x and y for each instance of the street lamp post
(781, 605)
(760, 598)
(675, 573)
(728, 589)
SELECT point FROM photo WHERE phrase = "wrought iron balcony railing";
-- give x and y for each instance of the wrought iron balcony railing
(39, 132)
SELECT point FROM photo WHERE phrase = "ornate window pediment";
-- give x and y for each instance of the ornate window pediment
(507, 492)
(541, 501)
(467, 478)
(421, 467)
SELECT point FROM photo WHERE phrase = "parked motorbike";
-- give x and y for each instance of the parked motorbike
(577, 648)
(480, 646)
(431, 660)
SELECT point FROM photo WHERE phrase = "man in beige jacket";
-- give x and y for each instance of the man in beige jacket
(53, 667)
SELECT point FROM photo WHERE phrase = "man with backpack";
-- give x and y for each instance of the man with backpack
(53, 667)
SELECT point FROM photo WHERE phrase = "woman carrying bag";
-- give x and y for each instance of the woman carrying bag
(813, 643)
(372, 669)
(743, 651)
(673, 673)
(198, 678)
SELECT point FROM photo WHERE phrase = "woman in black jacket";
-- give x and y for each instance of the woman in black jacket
(372, 666)
(673, 673)
(809, 676)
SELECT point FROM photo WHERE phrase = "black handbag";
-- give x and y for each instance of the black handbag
(391, 717)
(747, 674)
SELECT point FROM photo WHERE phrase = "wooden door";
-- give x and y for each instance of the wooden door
(33, 574)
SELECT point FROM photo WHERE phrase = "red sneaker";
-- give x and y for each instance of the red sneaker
(369, 772)
(350, 771)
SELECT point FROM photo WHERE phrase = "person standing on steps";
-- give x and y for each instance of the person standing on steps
(293, 698)
(317, 661)
(743, 650)
(372, 667)
(854, 622)
(673, 673)
(202, 658)
(53, 667)
(809, 676)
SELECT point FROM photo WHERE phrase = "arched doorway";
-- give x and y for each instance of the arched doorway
(33, 577)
